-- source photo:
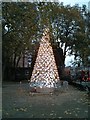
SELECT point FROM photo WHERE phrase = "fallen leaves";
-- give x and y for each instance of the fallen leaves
(75, 99)
(51, 114)
(77, 108)
(30, 106)
(21, 109)
(78, 101)
(43, 114)
(52, 104)
(81, 99)
(76, 115)
(7, 113)
(67, 112)
(59, 117)
(86, 111)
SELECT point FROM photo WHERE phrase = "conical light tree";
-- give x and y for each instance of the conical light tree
(45, 73)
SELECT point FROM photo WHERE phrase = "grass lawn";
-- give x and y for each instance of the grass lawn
(18, 102)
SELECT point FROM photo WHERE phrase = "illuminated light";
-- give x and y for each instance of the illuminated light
(45, 73)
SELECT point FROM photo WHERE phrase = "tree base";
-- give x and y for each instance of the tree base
(41, 90)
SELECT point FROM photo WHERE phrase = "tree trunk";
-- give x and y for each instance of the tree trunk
(3, 71)
(18, 61)
(23, 60)
(14, 61)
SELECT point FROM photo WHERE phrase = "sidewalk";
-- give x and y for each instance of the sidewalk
(82, 85)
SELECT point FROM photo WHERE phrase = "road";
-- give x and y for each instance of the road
(19, 102)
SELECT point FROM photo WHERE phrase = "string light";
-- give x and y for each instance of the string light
(45, 73)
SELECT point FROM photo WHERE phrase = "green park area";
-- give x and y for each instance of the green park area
(37, 38)
(19, 102)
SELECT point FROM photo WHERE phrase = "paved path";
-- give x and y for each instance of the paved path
(83, 83)
(18, 102)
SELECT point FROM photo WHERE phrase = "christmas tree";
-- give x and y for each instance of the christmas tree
(45, 73)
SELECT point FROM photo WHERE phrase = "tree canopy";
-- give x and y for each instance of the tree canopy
(23, 23)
